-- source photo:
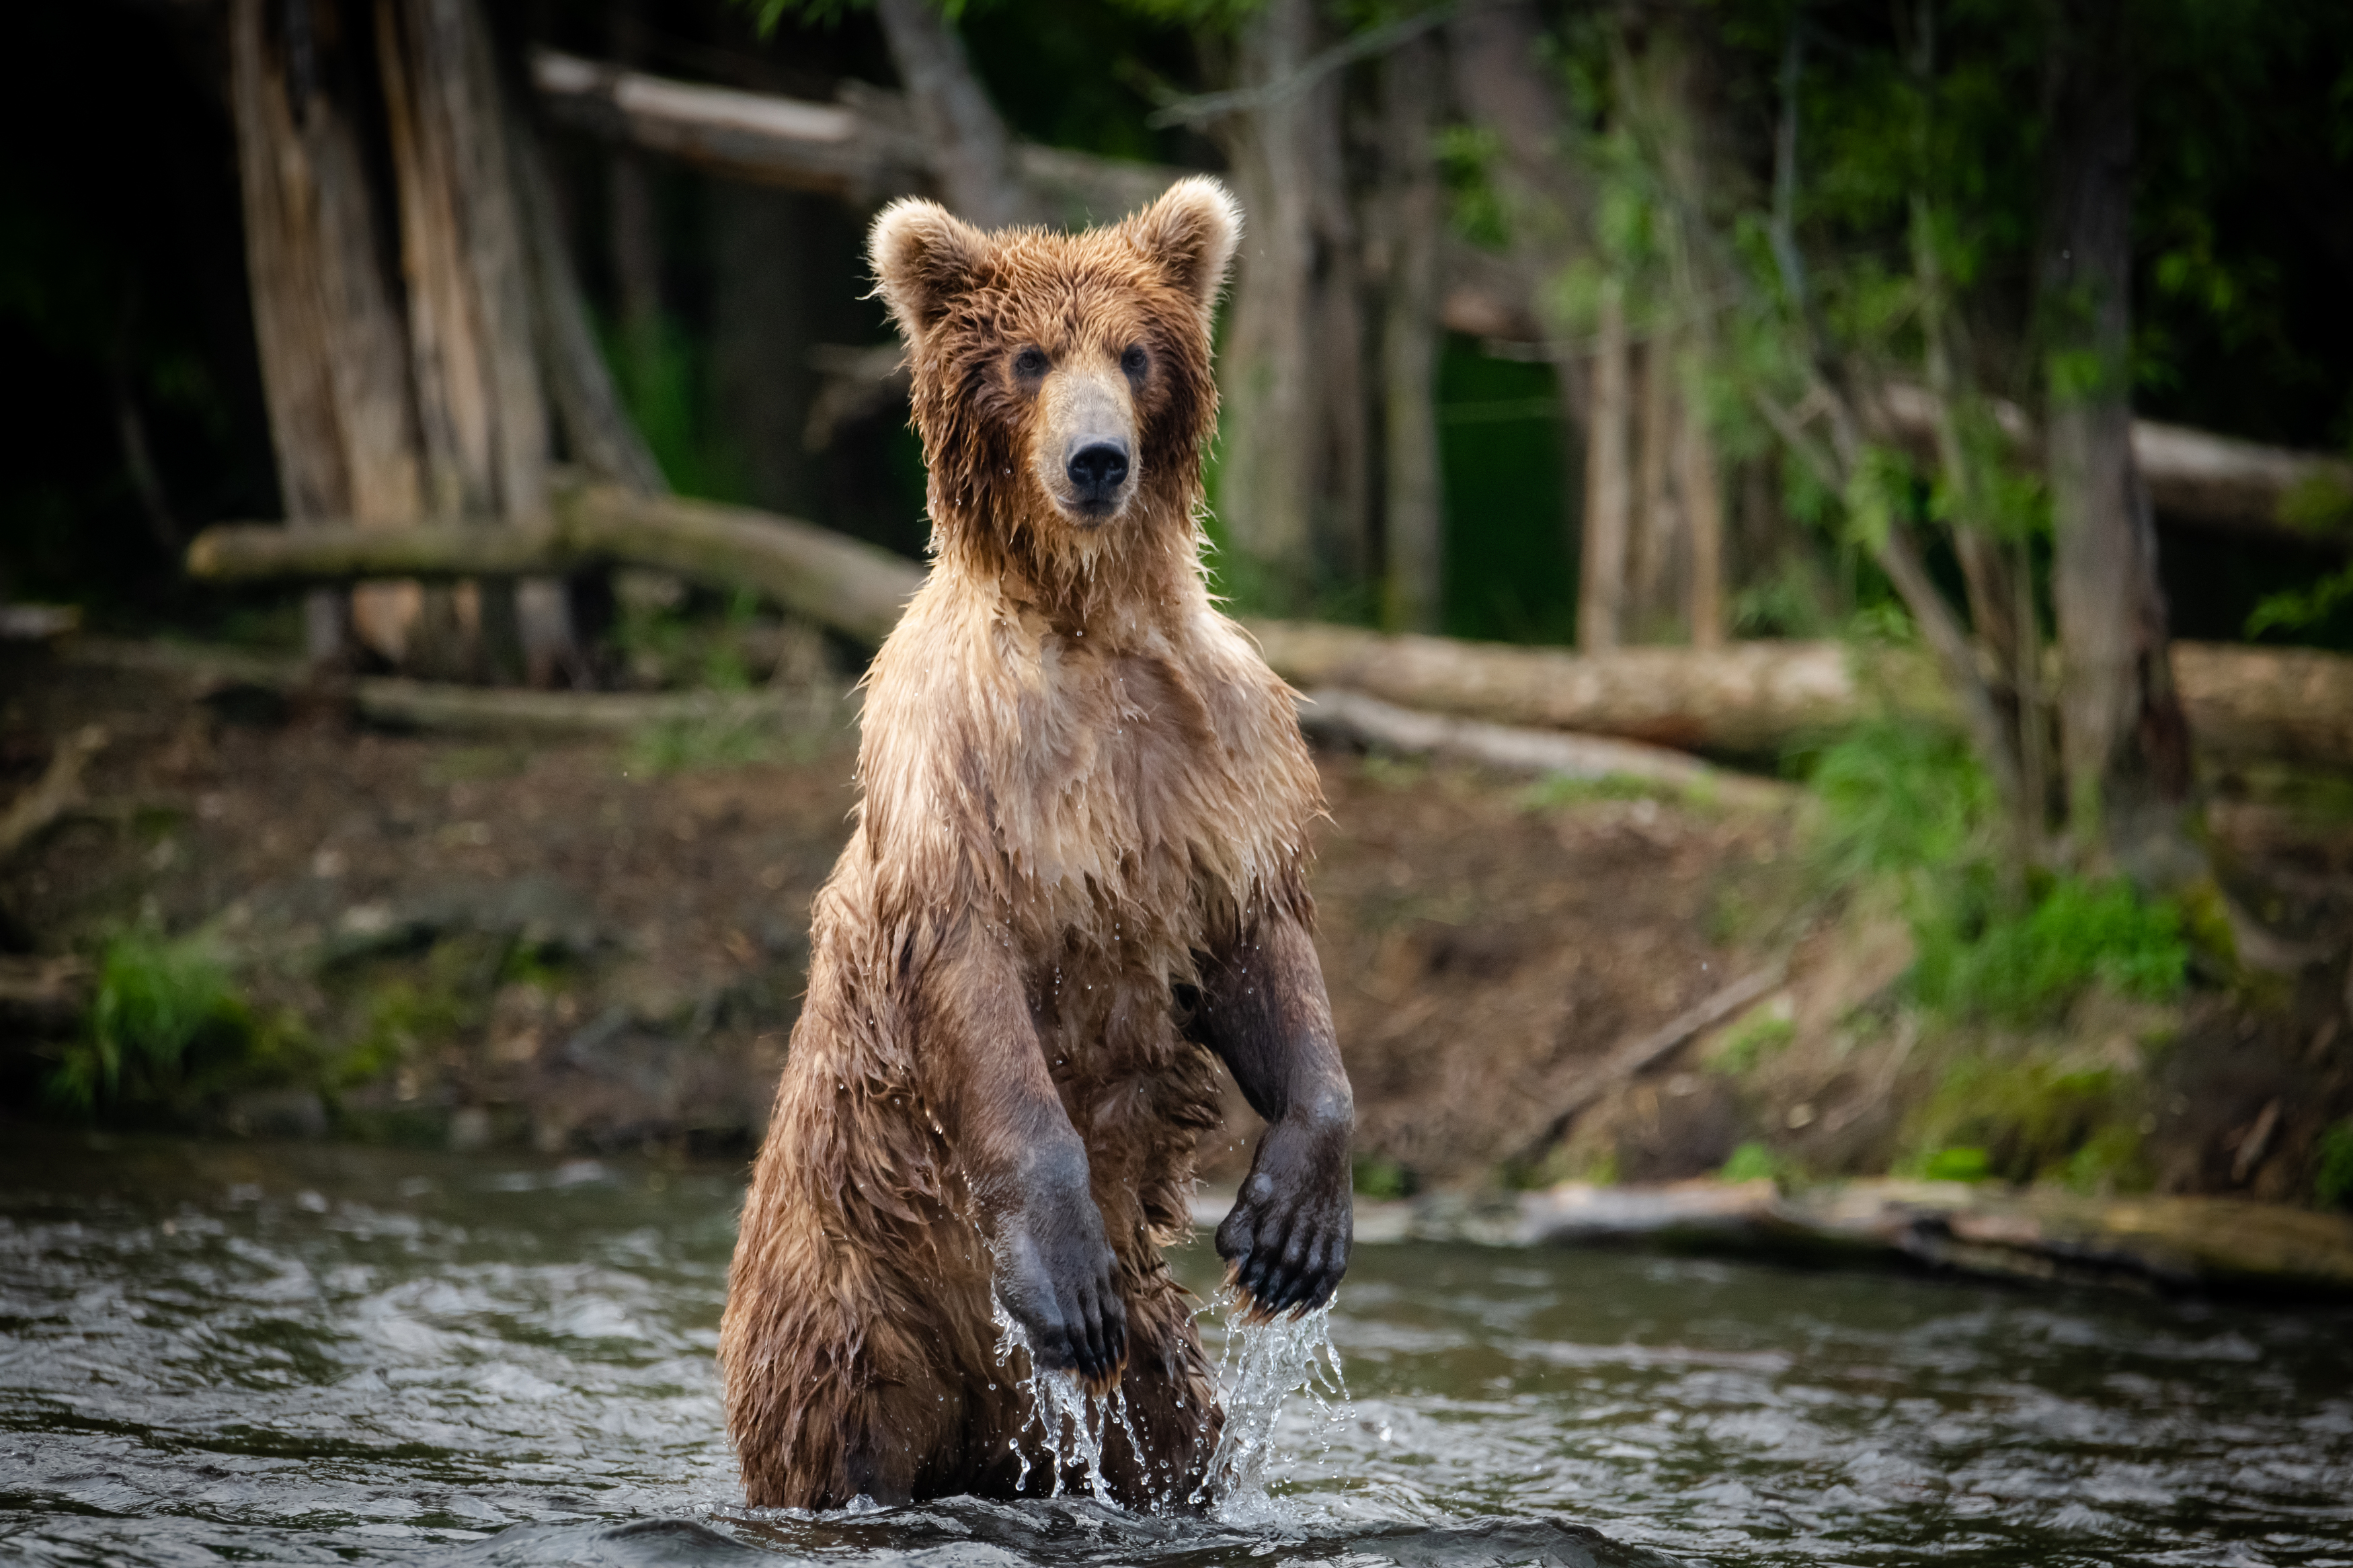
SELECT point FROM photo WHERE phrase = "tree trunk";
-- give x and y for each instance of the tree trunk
(1413, 536)
(969, 144)
(1703, 498)
(1609, 482)
(2125, 744)
(1291, 466)
(1658, 562)
(397, 399)
(334, 365)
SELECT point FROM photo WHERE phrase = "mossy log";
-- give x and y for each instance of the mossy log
(2036, 1234)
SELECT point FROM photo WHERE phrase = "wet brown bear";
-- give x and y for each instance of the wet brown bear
(1078, 871)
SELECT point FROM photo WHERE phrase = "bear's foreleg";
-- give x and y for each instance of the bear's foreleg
(1262, 1007)
(1025, 1164)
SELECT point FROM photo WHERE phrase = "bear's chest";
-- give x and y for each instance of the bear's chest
(1120, 775)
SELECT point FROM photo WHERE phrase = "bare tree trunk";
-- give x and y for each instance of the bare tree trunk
(334, 365)
(2125, 745)
(1703, 498)
(1293, 410)
(1663, 87)
(1413, 533)
(393, 399)
(953, 114)
(1609, 483)
(481, 406)
(1657, 527)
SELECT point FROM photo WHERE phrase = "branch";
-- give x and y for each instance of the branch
(55, 792)
(1203, 109)
(863, 150)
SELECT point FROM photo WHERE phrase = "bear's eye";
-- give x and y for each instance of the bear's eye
(1134, 360)
(1029, 363)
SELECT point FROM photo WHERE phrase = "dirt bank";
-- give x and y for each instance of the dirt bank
(600, 945)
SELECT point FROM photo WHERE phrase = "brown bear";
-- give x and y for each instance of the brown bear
(1078, 880)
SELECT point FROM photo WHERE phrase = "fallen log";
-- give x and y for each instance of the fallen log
(861, 150)
(1751, 697)
(2193, 476)
(2286, 704)
(2034, 1234)
(856, 588)
(1746, 698)
(508, 712)
(1329, 714)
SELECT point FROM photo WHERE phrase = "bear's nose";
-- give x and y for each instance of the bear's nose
(1098, 468)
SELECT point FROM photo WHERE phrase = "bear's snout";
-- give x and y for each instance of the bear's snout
(1084, 449)
(1097, 465)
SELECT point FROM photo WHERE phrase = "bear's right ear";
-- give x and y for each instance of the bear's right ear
(922, 259)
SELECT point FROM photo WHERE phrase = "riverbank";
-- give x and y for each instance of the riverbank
(596, 944)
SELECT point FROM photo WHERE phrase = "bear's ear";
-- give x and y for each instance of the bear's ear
(1191, 232)
(922, 259)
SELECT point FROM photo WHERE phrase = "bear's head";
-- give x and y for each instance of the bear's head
(1063, 385)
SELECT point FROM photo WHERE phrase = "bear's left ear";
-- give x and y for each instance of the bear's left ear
(923, 257)
(1191, 232)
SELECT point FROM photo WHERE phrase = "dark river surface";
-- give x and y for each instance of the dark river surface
(344, 1355)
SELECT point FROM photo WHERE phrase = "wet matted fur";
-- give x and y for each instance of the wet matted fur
(1085, 808)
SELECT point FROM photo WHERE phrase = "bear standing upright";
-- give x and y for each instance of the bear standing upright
(1078, 875)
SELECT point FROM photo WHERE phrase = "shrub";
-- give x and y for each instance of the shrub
(2016, 966)
(1911, 805)
(2037, 1118)
(160, 1003)
(2332, 1181)
(1752, 1162)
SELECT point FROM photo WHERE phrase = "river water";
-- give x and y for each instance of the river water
(305, 1354)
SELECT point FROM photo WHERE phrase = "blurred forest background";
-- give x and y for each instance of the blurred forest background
(1988, 350)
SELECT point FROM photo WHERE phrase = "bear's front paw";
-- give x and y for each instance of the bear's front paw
(1286, 1242)
(1055, 1278)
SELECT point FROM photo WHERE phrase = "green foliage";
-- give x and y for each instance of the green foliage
(1899, 797)
(1556, 790)
(2020, 966)
(2036, 1116)
(1966, 1164)
(1753, 1162)
(161, 1005)
(2302, 609)
(677, 646)
(1466, 160)
(714, 740)
(660, 375)
(1761, 1031)
(1375, 1177)
(1910, 804)
(2332, 1176)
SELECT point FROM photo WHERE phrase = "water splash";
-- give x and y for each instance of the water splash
(1071, 1422)
(1264, 1363)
